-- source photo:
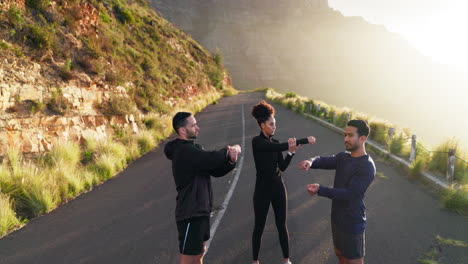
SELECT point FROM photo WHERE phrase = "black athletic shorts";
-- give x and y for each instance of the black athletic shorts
(351, 246)
(192, 233)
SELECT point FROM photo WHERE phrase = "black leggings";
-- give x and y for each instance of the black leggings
(276, 194)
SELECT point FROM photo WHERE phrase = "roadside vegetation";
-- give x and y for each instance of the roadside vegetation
(399, 143)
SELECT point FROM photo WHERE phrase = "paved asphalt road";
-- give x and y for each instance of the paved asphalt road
(130, 219)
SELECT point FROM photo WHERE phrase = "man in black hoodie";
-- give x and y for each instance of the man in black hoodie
(192, 167)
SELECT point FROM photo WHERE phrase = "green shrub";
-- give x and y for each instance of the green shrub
(300, 107)
(229, 91)
(123, 15)
(18, 52)
(308, 106)
(330, 116)
(32, 106)
(290, 95)
(151, 123)
(4, 45)
(218, 59)
(117, 106)
(456, 200)
(148, 99)
(39, 5)
(290, 104)
(104, 16)
(15, 18)
(58, 103)
(215, 74)
(87, 157)
(65, 71)
(40, 36)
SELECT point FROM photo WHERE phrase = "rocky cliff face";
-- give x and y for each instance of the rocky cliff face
(63, 63)
(23, 80)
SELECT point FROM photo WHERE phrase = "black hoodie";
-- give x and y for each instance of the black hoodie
(191, 168)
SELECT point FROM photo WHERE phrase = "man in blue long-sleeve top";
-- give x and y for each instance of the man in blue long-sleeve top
(355, 171)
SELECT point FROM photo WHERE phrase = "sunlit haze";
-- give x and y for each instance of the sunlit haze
(436, 28)
(404, 61)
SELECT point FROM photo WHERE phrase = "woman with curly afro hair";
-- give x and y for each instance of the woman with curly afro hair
(269, 185)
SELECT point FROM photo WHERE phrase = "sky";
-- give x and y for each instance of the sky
(437, 28)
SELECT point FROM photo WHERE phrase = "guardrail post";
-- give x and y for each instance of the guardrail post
(413, 149)
(451, 166)
(391, 132)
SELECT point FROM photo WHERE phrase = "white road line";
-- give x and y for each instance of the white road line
(237, 172)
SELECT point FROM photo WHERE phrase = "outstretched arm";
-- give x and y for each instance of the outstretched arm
(262, 145)
(208, 160)
(326, 163)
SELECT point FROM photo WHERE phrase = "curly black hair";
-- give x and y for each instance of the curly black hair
(262, 112)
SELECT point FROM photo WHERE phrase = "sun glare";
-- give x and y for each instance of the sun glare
(439, 34)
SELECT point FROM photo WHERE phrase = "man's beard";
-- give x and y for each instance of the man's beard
(352, 147)
(191, 135)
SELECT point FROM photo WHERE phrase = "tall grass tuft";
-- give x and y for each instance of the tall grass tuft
(37, 193)
(456, 200)
(145, 141)
(64, 153)
(399, 144)
(133, 150)
(104, 166)
(417, 166)
(379, 132)
(8, 219)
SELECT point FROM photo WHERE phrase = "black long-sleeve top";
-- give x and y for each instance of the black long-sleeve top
(269, 158)
(191, 168)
